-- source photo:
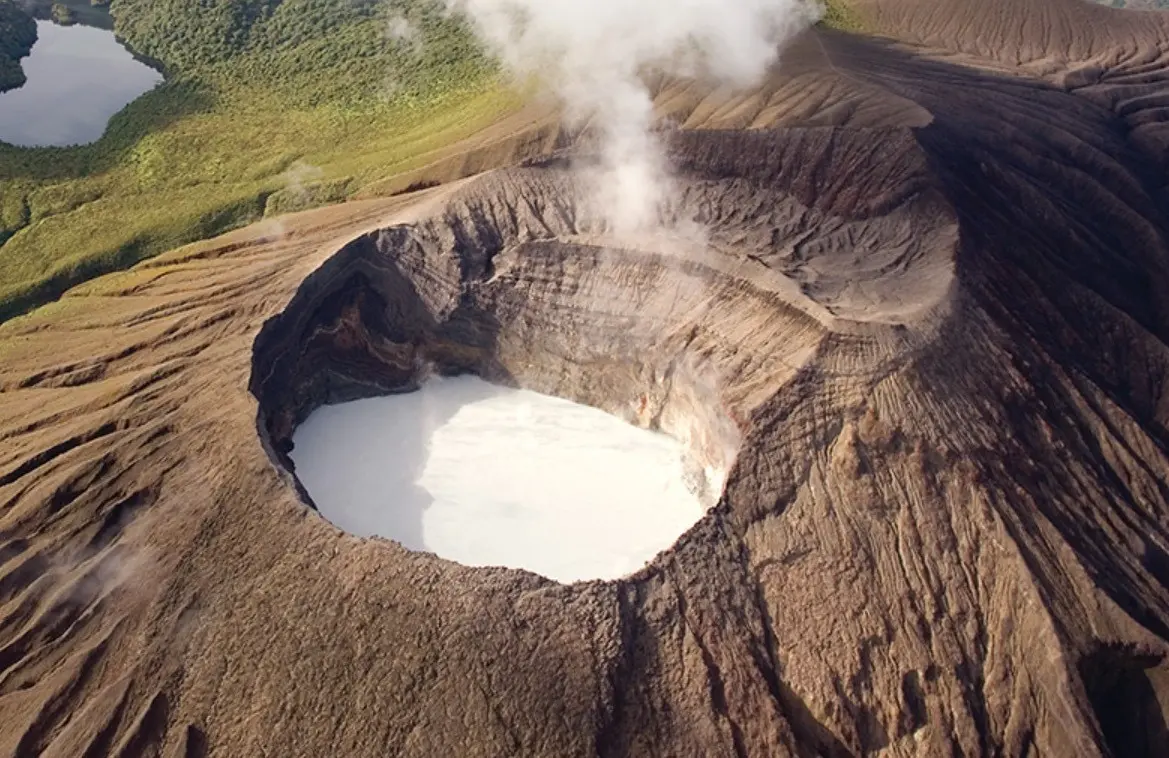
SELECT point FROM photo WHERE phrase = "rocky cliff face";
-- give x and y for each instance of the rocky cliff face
(926, 329)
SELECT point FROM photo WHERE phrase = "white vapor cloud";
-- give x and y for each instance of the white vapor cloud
(593, 54)
(400, 30)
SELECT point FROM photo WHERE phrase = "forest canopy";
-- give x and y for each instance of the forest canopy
(312, 50)
(18, 32)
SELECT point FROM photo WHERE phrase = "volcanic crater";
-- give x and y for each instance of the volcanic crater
(924, 328)
(685, 329)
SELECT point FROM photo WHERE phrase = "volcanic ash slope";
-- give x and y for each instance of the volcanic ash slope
(928, 325)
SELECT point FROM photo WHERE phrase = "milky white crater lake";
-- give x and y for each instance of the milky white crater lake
(490, 476)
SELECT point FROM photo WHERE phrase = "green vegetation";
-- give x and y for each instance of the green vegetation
(268, 106)
(18, 32)
(62, 14)
(80, 11)
(839, 15)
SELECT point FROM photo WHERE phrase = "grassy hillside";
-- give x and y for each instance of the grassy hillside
(313, 51)
(18, 32)
(266, 105)
(839, 15)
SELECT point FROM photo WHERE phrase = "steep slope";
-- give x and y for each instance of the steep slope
(929, 318)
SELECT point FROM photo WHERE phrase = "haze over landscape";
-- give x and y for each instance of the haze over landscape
(644, 378)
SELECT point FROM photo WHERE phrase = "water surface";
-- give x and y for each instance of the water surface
(78, 77)
(489, 476)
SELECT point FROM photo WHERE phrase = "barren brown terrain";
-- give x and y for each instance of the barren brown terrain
(929, 324)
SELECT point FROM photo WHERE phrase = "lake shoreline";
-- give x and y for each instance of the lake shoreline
(78, 77)
(18, 34)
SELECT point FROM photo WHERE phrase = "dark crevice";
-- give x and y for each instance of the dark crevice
(1122, 684)
(718, 697)
(621, 678)
(146, 739)
(104, 739)
(1156, 562)
(915, 715)
(40, 459)
(195, 743)
(812, 737)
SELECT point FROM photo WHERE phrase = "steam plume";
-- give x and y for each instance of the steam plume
(593, 54)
